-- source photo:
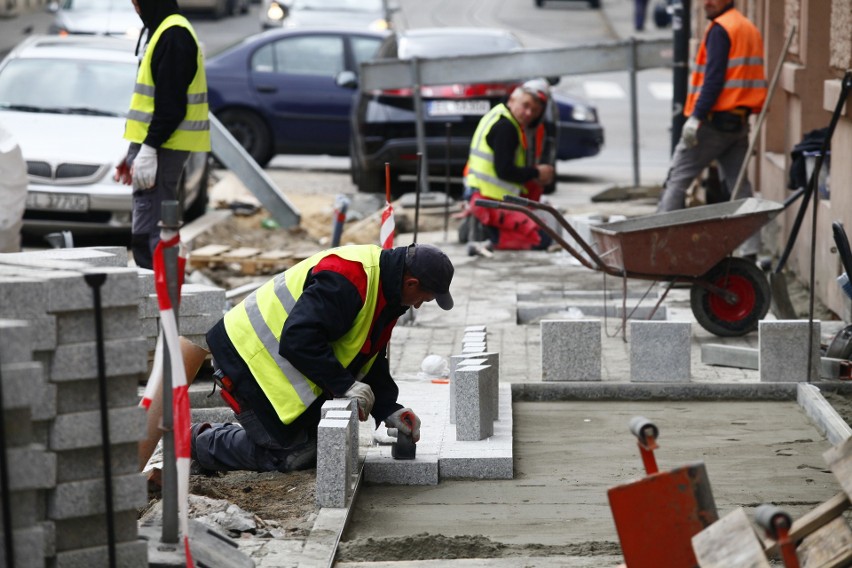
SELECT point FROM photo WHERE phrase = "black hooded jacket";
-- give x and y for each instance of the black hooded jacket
(173, 66)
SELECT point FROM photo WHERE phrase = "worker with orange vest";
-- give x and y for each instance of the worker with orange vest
(728, 84)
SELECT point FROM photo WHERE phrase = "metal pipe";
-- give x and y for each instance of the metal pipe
(634, 110)
(681, 14)
(8, 535)
(422, 183)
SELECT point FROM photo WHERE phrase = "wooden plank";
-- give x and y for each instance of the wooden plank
(209, 250)
(242, 253)
(813, 520)
(275, 255)
(829, 547)
(210, 219)
(730, 541)
(839, 460)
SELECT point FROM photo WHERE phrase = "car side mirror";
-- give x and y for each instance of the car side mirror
(347, 80)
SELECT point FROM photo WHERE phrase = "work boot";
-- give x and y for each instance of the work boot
(302, 458)
(195, 468)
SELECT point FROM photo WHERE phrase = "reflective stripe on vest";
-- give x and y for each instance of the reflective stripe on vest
(745, 80)
(254, 327)
(193, 133)
(481, 174)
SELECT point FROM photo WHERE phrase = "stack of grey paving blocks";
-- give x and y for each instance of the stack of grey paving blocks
(49, 365)
(474, 387)
(337, 453)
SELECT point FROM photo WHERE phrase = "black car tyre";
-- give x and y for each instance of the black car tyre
(251, 132)
(747, 281)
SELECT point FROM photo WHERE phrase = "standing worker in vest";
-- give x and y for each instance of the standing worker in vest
(168, 119)
(317, 331)
(497, 166)
(727, 85)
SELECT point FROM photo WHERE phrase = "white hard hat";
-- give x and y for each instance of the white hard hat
(539, 88)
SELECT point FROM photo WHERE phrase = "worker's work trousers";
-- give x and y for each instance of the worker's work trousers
(729, 150)
(147, 203)
(248, 446)
(514, 230)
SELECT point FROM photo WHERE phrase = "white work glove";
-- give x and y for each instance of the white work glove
(406, 422)
(144, 170)
(363, 395)
(689, 134)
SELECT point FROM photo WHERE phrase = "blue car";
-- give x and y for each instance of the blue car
(289, 91)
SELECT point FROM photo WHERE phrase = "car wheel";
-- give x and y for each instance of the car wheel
(251, 132)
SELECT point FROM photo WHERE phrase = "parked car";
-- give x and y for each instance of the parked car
(216, 8)
(95, 17)
(384, 122)
(289, 90)
(373, 15)
(595, 4)
(71, 137)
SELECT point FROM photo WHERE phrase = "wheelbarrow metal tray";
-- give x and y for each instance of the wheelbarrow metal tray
(685, 243)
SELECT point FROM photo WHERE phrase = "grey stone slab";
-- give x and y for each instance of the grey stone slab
(145, 282)
(340, 404)
(473, 350)
(473, 404)
(44, 407)
(783, 346)
(822, 414)
(21, 383)
(29, 547)
(474, 336)
(83, 395)
(19, 427)
(90, 256)
(381, 467)
(79, 360)
(22, 296)
(730, 356)
(31, 467)
(202, 299)
(128, 555)
(83, 429)
(85, 532)
(79, 327)
(197, 324)
(88, 463)
(660, 351)
(571, 350)
(352, 418)
(25, 506)
(463, 362)
(119, 256)
(201, 395)
(476, 468)
(218, 414)
(474, 344)
(333, 474)
(16, 341)
(68, 291)
(475, 329)
(85, 498)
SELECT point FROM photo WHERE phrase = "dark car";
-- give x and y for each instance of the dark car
(289, 90)
(384, 123)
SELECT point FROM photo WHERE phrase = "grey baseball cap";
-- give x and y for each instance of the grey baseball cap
(434, 269)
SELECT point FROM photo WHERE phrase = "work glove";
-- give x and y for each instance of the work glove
(363, 395)
(144, 170)
(689, 134)
(405, 421)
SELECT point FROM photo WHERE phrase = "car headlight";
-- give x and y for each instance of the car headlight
(582, 113)
(379, 25)
(275, 12)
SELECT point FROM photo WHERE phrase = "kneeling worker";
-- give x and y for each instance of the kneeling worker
(497, 166)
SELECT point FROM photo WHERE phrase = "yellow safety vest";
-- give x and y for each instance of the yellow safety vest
(745, 81)
(254, 327)
(481, 174)
(193, 134)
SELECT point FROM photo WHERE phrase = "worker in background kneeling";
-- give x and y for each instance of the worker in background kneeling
(497, 166)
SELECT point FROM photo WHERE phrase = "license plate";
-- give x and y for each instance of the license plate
(57, 201)
(448, 108)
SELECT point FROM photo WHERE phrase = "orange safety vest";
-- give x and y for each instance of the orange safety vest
(745, 80)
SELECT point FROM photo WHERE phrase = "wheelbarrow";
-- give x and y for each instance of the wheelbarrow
(728, 295)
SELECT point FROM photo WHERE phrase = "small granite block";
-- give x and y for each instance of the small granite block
(475, 329)
(83, 429)
(474, 344)
(85, 498)
(462, 362)
(333, 475)
(473, 350)
(660, 351)
(22, 296)
(492, 358)
(83, 395)
(21, 383)
(26, 508)
(471, 337)
(16, 341)
(730, 356)
(44, 407)
(202, 299)
(352, 419)
(145, 282)
(340, 404)
(29, 547)
(571, 350)
(85, 532)
(381, 467)
(473, 404)
(79, 360)
(783, 346)
(133, 554)
(197, 324)
(77, 465)
(31, 467)
(79, 327)
(19, 427)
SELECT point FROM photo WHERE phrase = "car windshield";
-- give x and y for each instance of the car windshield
(98, 5)
(87, 87)
(339, 5)
(450, 45)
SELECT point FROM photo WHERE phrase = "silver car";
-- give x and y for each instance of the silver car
(95, 17)
(375, 15)
(65, 99)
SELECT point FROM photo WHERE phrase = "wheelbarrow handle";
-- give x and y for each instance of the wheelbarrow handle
(642, 428)
(770, 518)
(493, 204)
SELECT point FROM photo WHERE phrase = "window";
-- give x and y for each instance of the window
(317, 55)
(364, 49)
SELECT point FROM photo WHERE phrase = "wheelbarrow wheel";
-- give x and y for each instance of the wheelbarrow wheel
(725, 319)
